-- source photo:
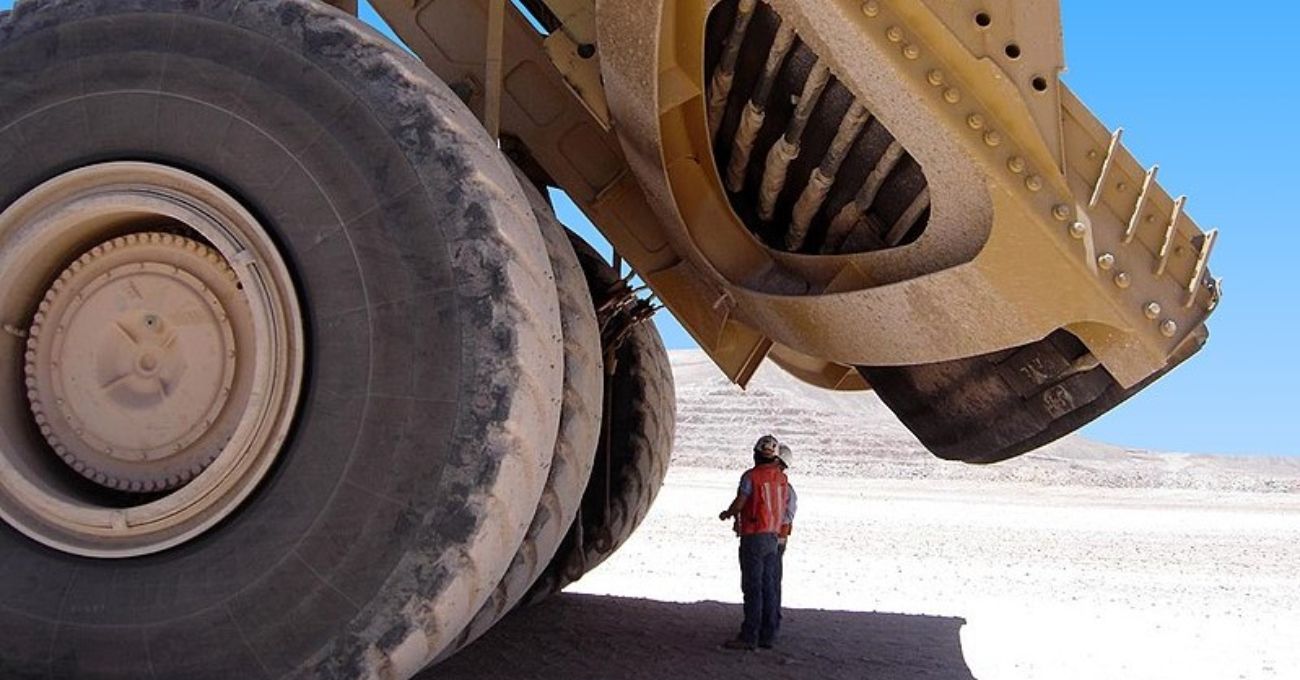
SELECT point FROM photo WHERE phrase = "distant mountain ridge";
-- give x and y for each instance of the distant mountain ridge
(856, 435)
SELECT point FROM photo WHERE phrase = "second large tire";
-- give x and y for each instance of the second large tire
(632, 458)
(575, 444)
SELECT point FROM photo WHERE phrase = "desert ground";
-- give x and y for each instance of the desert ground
(1079, 561)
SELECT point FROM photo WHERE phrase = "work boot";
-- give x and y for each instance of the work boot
(737, 643)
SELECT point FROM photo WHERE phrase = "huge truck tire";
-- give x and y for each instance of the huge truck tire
(281, 308)
(575, 444)
(636, 446)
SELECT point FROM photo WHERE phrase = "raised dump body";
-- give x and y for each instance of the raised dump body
(301, 377)
(897, 195)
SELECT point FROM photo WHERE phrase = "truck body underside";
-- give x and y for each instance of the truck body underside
(891, 195)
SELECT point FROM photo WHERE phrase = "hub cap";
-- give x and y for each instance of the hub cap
(156, 350)
(132, 361)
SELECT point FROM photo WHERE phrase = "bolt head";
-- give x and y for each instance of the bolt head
(1152, 310)
(911, 51)
(1077, 229)
(975, 121)
(1033, 183)
(992, 138)
(871, 8)
(894, 33)
(1016, 164)
(1062, 213)
(1106, 261)
(952, 95)
(1169, 328)
(935, 77)
(1123, 280)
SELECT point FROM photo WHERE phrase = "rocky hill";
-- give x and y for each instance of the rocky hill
(855, 435)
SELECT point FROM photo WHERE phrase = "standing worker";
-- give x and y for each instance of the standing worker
(785, 458)
(760, 504)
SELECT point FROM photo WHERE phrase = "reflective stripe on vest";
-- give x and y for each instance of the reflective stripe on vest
(764, 509)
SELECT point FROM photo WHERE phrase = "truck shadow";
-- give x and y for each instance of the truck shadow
(577, 637)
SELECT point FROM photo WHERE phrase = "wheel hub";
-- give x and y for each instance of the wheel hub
(132, 360)
(163, 363)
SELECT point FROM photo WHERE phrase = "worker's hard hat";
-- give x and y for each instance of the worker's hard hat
(785, 455)
(766, 445)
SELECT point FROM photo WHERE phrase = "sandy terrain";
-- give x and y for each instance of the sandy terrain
(1082, 561)
(892, 579)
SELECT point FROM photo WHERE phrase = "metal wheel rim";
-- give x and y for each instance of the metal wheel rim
(42, 235)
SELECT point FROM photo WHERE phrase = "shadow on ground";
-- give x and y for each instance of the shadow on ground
(576, 637)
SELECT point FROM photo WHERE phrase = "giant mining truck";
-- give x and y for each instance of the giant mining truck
(302, 378)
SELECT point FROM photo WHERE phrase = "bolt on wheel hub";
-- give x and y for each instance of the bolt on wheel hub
(163, 358)
(131, 360)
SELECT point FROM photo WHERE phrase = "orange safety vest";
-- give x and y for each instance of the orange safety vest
(764, 509)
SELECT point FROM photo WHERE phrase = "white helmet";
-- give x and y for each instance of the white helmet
(785, 455)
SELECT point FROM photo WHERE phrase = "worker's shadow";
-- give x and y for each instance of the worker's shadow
(573, 637)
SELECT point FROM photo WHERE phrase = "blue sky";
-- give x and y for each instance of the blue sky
(1210, 95)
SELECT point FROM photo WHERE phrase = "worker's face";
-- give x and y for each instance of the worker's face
(769, 449)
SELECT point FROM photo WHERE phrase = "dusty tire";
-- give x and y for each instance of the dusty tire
(635, 459)
(428, 412)
(575, 445)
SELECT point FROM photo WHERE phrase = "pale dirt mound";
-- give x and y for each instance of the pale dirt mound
(855, 435)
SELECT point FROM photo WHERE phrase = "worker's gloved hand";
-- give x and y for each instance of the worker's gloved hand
(724, 515)
(785, 530)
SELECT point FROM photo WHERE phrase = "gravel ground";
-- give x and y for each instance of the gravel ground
(1080, 560)
(896, 579)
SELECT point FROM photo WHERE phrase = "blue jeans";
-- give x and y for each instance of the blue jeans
(780, 570)
(759, 581)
